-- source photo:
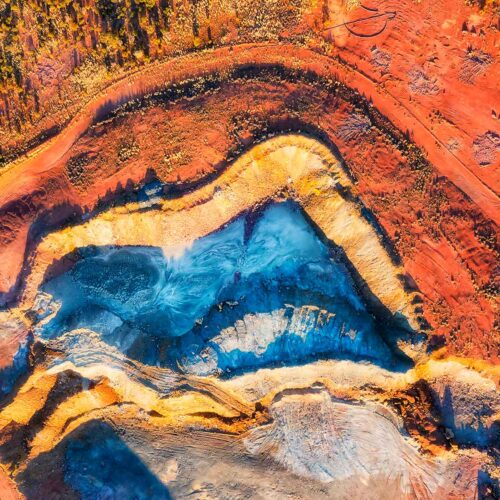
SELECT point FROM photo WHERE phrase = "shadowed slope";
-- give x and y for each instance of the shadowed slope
(238, 298)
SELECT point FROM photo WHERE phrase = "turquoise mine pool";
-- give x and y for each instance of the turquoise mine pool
(264, 290)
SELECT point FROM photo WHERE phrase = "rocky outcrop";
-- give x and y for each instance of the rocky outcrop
(452, 261)
(283, 332)
(248, 249)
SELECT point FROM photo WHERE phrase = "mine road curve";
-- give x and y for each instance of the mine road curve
(157, 76)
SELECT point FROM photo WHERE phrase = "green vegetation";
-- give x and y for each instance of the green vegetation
(52, 52)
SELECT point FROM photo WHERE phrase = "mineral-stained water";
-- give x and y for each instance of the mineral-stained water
(264, 290)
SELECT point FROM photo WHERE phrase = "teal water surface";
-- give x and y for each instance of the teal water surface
(263, 290)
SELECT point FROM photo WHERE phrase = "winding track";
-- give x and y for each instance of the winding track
(292, 165)
(160, 75)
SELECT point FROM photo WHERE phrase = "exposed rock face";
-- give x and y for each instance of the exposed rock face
(452, 262)
(147, 315)
(353, 444)
(14, 340)
(324, 427)
(469, 414)
(239, 298)
(248, 249)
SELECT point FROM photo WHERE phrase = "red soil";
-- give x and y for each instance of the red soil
(435, 229)
(431, 72)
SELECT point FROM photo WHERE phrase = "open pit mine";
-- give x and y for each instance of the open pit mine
(249, 249)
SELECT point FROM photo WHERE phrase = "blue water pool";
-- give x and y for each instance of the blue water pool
(263, 290)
